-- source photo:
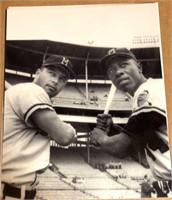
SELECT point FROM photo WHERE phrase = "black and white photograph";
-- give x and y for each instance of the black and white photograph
(85, 114)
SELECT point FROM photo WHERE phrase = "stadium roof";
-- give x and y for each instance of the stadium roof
(27, 56)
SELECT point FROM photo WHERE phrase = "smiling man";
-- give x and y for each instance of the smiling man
(29, 123)
(147, 125)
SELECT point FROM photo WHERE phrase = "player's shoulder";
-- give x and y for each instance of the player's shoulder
(25, 87)
(150, 94)
(151, 86)
(154, 82)
(26, 90)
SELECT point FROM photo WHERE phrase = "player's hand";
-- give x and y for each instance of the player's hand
(96, 136)
(104, 122)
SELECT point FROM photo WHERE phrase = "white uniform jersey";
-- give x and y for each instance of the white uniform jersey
(25, 151)
(150, 97)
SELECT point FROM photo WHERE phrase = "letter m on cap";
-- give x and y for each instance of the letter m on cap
(65, 61)
(111, 51)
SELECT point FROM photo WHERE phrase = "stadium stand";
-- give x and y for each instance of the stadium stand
(51, 187)
(75, 93)
(72, 176)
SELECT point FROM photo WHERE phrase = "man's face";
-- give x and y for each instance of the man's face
(125, 73)
(51, 79)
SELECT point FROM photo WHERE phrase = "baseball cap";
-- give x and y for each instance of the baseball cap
(60, 62)
(113, 53)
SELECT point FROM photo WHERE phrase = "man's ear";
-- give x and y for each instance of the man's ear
(140, 67)
(38, 71)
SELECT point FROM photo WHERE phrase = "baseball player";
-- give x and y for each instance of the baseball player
(147, 125)
(29, 123)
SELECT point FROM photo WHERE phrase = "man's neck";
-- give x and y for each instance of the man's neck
(143, 80)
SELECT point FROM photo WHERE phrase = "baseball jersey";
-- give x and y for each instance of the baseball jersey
(149, 126)
(25, 150)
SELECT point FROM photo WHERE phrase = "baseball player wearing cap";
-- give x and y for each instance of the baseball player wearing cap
(29, 123)
(147, 125)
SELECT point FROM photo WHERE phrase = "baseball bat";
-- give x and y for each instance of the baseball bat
(106, 111)
(110, 99)
(83, 136)
(108, 103)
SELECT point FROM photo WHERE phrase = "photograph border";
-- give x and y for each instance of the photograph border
(165, 14)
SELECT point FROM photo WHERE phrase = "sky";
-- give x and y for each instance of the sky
(110, 25)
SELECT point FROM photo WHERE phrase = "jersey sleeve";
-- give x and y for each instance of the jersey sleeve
(143, 126)
(149, 111)
(28, 99)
